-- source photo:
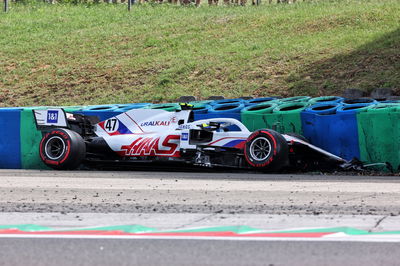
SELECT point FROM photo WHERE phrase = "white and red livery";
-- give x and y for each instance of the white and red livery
(156, 135)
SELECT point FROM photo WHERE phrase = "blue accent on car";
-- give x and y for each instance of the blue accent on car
(52, 116)
(185, 136)
(233, 143)
(122, 129)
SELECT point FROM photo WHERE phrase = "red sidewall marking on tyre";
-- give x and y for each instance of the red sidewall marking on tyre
(273, 138)
(68, 151)
(254, 135)
(41, 147)
(47, 160)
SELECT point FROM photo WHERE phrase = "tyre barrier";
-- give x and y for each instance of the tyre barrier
(379, 132)
(170, 107)
(201, 103)
(326, 99)
(10, 146)
(390, 101)
(228, 101)
(228, 110)
(295, 99)
(368, 130)
(253, 116)
(260, 100)
(30, 139)
(200, 108)
(334, 128)
(284, 118)
(103, 112)
(320, 118)
(345, 135)
(359, 100)
(130, 106)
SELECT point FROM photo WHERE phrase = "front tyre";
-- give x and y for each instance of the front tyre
(62, 149)
(266, 149)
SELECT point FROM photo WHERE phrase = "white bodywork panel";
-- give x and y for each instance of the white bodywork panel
(144, 132)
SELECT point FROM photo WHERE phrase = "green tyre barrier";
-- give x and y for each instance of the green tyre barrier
(253, 116)
(170, 107)
(326, 99)
(286, 118)
(379, 135)
(30, 138)
(297, 99)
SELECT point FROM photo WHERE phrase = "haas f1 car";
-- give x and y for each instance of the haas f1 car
(150, 135)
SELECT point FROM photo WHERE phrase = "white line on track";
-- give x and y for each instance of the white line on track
(375, 238)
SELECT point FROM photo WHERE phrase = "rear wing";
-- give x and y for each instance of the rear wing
(54, 117)
(46, 119)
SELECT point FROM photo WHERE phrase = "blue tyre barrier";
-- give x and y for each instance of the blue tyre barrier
(103, 112)
(222, 111)
(334, 128)
(201, 112)
(10, 145)
(229, 110)
(318, 124)
(201, 109)
(323, 108)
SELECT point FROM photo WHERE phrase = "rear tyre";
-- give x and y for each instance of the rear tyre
(266, 149)
(62, 149)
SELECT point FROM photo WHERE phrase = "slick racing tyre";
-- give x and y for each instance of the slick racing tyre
(62, 149)
(266, 149)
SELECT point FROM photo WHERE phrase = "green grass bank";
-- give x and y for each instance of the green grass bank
(67, 55)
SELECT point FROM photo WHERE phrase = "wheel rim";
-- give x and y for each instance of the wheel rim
(54, 148)
(260, 149)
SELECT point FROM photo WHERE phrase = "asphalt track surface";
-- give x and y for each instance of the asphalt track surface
(76, 252)
(177, 192)
(193, 199)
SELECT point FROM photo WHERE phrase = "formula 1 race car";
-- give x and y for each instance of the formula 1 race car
(149, 135)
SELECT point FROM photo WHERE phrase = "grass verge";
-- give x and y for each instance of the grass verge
(65, 54)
